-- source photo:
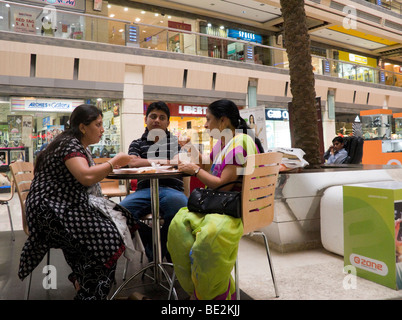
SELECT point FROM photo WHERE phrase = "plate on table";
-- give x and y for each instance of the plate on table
(146, 169)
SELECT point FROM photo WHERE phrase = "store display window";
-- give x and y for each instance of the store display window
(187, 121)
(41, 21)
(29, 124)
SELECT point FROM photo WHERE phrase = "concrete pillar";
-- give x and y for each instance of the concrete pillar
(132, 117)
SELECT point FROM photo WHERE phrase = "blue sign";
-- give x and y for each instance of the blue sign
(244, 35)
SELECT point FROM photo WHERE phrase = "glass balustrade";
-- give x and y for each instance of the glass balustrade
(49, 22)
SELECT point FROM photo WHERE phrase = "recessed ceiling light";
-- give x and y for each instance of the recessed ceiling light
(109, 6)
(112, 15)
(156, 14)
(137, 19)
(142, 12)
(125, 9)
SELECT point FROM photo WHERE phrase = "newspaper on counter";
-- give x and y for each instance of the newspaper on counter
(292, 158)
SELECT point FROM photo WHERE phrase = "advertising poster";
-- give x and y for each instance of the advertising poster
(24, 22)
(372, 239)
(255, 119)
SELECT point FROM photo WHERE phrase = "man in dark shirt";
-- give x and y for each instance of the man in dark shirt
(157, 145)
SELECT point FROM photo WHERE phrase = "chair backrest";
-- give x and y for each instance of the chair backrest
(7, 196)
(108, 186)
(258, 190)
(23, 173)
(354, 147)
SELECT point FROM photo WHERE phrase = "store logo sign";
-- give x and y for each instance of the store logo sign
(368, 264)
(196, 110)
(48, 105)
(276, 114)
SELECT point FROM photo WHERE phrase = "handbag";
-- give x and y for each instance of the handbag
(206, 201)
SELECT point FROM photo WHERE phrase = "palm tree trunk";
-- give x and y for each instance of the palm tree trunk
(303, 114)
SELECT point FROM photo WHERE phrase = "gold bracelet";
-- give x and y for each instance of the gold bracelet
(111, 165)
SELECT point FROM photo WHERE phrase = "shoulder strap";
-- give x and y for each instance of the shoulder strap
(225, 184)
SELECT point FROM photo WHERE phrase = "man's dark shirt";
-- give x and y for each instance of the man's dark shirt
(165, 148)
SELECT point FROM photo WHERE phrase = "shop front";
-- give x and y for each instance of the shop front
(355, 67)
(45, 21)
(29, 124)
(187, 121)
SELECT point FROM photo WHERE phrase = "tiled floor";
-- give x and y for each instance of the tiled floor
(304, 275)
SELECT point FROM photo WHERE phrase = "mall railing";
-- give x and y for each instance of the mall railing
(395, 6)
(48, 21)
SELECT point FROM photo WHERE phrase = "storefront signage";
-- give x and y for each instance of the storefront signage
(179, 25)
(45, 105)
(40, 105)
(276, 114)
(358, 59)
(181, 110)
(76, 5)
(193, 110)
(243, 35)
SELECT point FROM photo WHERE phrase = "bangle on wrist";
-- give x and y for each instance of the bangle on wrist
(196, 171)
(111, 165)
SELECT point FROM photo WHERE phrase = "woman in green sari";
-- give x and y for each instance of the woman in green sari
(203, 247)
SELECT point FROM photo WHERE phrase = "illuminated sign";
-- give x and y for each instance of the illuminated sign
(276, 114)
(196, 110)
(357, 59)
(243, 35)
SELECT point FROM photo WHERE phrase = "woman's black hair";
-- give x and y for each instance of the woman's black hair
(85, 114)
(229, 109)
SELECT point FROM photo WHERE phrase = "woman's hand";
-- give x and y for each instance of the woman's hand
(188, 168)
(120, 160)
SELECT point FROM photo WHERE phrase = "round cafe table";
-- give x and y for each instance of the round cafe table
(157, 265)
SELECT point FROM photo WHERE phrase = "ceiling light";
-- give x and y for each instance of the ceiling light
(169, 17)
(142, 12)
(121, 30)
(112, 15)
(221, 27)
(137, 19)
(209, 25)
(125, 9)
(156, 14)
(109, 6)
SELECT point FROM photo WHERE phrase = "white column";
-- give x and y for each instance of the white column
(132, 118)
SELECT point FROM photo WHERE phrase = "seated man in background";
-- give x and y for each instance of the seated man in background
(152, 147)
(336, 154)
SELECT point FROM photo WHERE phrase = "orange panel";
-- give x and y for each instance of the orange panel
(372, 154)
(375, 111)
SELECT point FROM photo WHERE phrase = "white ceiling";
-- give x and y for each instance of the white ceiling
(246, 9)
(332, 35)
